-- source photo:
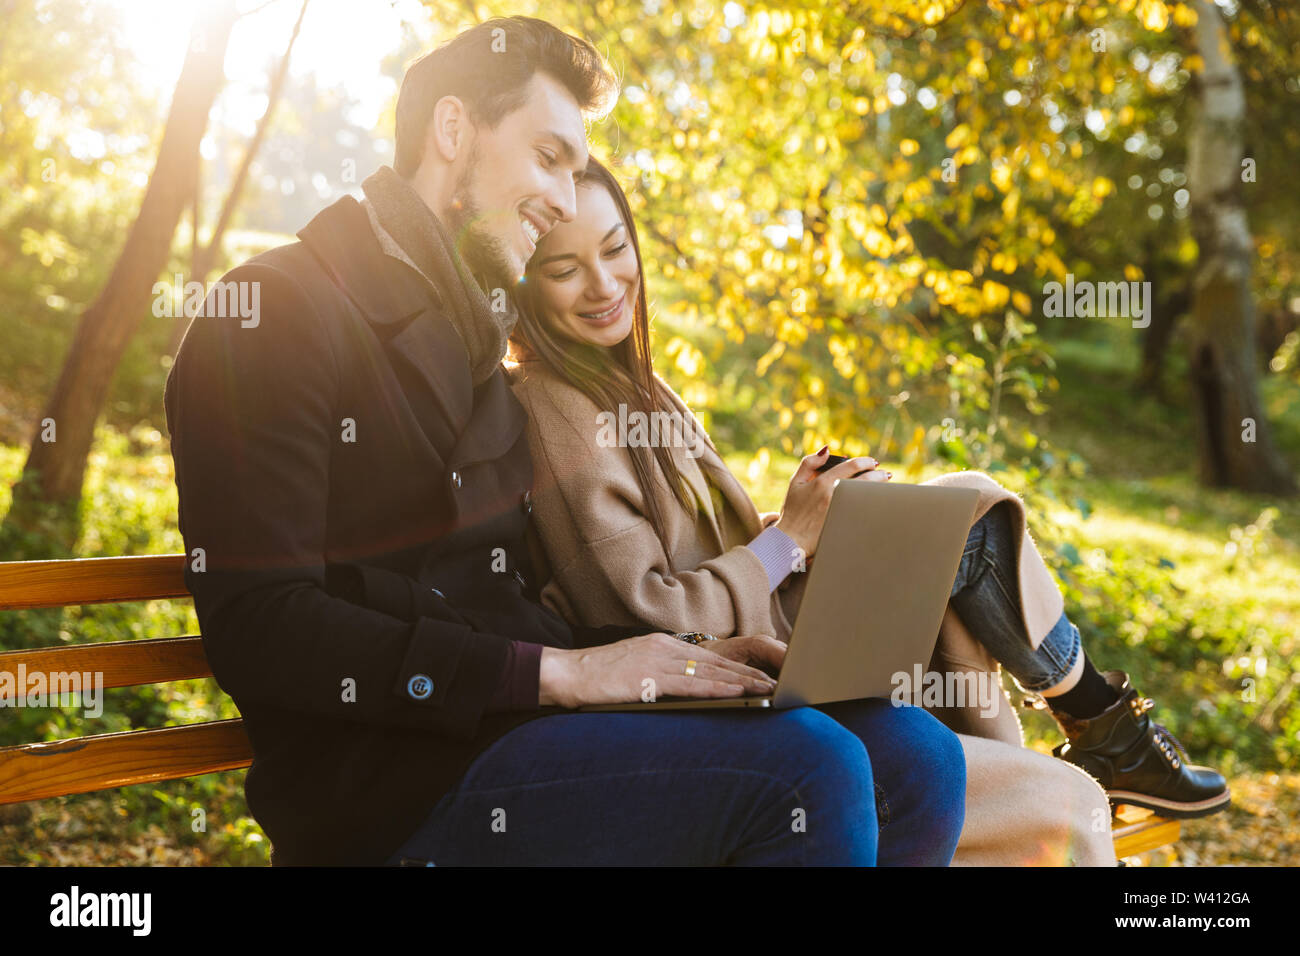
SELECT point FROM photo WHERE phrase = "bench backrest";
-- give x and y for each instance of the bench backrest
(101, 762)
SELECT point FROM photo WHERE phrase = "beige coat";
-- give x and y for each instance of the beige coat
(604, 564)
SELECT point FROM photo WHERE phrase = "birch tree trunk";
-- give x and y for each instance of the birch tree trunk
(1234, 447)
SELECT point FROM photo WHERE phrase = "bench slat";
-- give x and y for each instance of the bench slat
(33, 584)
(1148, 835)
(123, 663)
(1137, 829)
(107, 761)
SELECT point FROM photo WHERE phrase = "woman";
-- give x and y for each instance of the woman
(665, 536)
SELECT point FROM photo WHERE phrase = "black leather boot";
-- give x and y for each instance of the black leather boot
(1138, 761)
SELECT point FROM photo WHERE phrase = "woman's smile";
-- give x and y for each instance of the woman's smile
(605, 317)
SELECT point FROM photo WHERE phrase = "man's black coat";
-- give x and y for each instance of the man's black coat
(344, 491)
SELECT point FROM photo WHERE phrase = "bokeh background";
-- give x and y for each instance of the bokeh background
(848, 215)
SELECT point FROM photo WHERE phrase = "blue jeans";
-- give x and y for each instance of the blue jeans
(853, 783)
(986, 596)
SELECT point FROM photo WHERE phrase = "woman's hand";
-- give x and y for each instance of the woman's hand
(615, 673)
(761, 651)
(809, 495)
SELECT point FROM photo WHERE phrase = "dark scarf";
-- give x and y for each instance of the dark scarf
(423, 237)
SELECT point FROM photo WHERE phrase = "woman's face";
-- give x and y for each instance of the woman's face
(585, 273)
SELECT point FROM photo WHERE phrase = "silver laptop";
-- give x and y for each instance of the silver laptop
(877, 590)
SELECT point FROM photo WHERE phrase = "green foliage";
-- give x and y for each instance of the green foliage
(76, 147)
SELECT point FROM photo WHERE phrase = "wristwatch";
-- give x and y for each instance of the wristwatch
(694, 637)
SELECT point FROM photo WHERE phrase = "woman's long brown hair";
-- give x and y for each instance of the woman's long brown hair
(623, 374)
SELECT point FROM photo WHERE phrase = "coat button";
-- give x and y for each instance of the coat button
(420, 686)
(455, 478)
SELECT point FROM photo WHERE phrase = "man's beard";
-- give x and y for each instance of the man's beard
(484, 253)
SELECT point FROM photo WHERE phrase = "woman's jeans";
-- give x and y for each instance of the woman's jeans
(853, 783)
(986, 596)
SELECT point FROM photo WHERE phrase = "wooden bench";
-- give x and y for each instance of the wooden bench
(1137, 830)
(105, 761)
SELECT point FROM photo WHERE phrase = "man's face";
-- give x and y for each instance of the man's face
(518, 181)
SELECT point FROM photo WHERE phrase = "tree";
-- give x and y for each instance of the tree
(205, 257)
(1234, 444)
(62, 438)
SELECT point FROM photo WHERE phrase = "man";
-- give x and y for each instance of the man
(353, 476)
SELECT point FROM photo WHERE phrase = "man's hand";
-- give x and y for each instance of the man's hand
(615, 673)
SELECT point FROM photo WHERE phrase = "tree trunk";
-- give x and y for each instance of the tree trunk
(1166, 310)
(1234, 447)
(55, 468)
(204, 259)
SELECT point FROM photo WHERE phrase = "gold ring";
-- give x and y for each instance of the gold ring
(690, 668)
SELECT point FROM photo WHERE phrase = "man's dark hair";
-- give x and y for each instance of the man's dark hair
(489, 70)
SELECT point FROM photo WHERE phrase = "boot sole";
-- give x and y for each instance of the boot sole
(1171, 808)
